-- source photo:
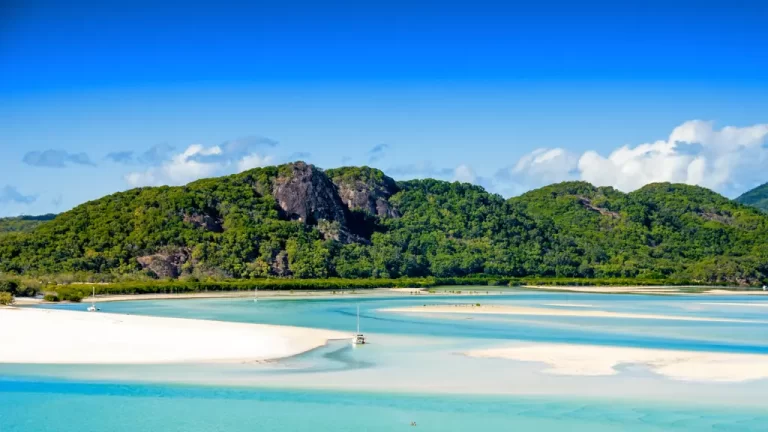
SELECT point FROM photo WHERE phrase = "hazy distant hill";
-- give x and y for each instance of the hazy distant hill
(300, 221)
(22, 223)
(757, 197)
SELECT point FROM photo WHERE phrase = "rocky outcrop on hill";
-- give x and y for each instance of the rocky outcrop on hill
(305, 193)
(165, 264)
(205, 221)
(365, 189)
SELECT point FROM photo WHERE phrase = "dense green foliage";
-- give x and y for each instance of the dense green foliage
(189, 286)
(6, 299)
(234, 228)
(18, 288)
(23, 223)
(659, 231)
(757, 197)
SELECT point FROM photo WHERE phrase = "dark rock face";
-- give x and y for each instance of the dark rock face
(165, 265)
(204, 221)
(280, 265)
(368, 195)
(306, 194)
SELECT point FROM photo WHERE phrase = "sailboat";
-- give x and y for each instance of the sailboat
(92, 307)
(256, 295)
(359, 339)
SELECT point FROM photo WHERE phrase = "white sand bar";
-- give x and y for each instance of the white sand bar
(564, 359)
(70, 337)
(737, 304)
(535, 311)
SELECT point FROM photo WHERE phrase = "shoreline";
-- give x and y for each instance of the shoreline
(460, 291)
(73, 337)
(266, 294)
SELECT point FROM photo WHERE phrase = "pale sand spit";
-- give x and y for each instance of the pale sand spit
(534, 311)
(70, 337)
(564, 359)
(765, 305)
(408, 290)
(570, 305)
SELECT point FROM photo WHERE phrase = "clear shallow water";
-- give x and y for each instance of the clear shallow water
(410, 355)
(65, 407)
(339, 314)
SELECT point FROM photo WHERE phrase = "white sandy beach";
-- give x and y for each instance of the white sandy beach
(737, 304)
(564, 359)
(69, 337)
(534, 311)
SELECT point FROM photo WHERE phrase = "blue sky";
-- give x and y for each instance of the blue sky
(104, 96)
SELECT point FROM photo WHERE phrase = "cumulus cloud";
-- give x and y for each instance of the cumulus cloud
(727, 160)
(56, 159)
(464, 173)
(376, 153)
(196, 162)
(10, 194)
(540, 167)
(695, 153)
(252, 161)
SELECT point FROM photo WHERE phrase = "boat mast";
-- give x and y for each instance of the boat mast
(358, 319)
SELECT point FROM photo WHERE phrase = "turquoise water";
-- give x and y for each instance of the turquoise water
(65, 407)
(411, 371)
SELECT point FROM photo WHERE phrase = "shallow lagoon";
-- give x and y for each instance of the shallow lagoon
(412, 370)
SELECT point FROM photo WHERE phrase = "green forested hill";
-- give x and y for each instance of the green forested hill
(298, 221)
(659, 230)
(757, 197)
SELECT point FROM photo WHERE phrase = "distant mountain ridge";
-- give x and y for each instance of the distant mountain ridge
(757, 197)
(296, 220)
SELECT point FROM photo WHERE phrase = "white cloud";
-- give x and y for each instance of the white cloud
(695, 153)
(728, 160)
(538, 168)
(253, 161)
(546, 165)
(464, 173)
(197, 162)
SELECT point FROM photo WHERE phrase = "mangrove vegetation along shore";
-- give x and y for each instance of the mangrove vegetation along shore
(78, 291)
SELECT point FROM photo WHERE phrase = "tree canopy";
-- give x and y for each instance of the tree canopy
(250, 225)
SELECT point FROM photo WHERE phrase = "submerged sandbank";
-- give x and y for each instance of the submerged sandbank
(69, 337)
(565, 359)
(535, 311)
